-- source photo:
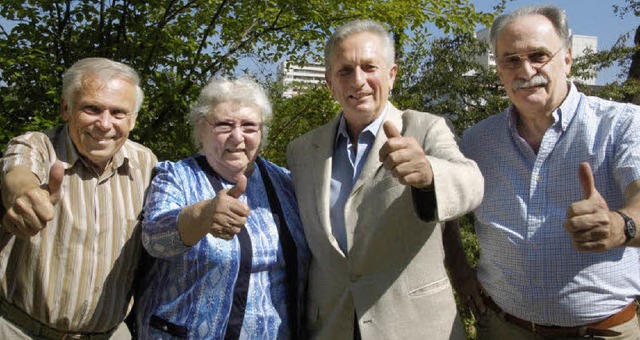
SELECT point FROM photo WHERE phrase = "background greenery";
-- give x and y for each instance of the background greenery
(176, 45)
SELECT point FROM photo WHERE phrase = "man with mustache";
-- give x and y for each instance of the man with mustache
(557, 226)
(68, 240)
(373, 186)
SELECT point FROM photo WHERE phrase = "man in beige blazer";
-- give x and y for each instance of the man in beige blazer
(373, 186)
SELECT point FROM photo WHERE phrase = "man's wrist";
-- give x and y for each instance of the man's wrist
(629, 227)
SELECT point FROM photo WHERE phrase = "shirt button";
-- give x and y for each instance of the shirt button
(165, 328)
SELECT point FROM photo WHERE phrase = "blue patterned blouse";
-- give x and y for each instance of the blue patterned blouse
(188, 291)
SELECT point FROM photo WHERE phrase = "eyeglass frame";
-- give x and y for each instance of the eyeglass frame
(228, 127)
(524, 56)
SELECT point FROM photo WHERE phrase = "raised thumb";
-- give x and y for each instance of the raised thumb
(586, 180)
(56, 175)
(390, 130)
(239, 188)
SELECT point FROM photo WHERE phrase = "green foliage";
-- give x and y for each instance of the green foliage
(629, 7)
(442, 77)
(176, 45)
(295, 116)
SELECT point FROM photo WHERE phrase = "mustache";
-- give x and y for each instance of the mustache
(536, 80)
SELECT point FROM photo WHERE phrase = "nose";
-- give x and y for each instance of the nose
(526, 67)
(236, 134)
(104, 120)
(359, 77)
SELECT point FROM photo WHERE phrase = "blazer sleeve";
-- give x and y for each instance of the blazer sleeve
(458, 183)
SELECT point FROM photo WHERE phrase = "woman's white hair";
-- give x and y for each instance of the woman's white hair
(243, 91)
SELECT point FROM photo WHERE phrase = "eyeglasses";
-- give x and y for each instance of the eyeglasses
(537, 59)
(223, 127)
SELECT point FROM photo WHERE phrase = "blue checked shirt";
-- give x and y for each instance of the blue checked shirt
(527, 263)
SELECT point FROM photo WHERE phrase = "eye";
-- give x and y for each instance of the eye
(250, 127)
(222, 127)
(345, 71)
(370, 68)
(119, 114)
(91, 109)
(538, 57)
(511, 61)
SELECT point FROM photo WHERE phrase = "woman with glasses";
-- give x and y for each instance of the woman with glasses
(229, 255)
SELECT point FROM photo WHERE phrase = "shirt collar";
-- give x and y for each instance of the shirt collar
(372, 128)
(569, 106)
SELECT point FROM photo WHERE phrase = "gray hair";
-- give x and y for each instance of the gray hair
(557, 16)
(242, 91)
(105, 69)
(360, 26)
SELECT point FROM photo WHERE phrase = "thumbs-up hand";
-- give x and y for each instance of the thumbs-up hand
(30, 205)
(405, 158)
(222, 216)
(589, 221)
(229, 213)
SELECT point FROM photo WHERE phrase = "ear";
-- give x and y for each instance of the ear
(64, 110)
(568, 61)
(393, 71)
(132, 121)
(327, 79)
(200, 132)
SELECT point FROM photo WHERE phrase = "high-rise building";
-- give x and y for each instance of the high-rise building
(579, 45)
(296, 77)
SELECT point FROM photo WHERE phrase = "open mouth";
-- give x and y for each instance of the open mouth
(100, 140)
(359, 96)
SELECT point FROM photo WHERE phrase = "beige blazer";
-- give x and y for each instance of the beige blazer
(393, 278)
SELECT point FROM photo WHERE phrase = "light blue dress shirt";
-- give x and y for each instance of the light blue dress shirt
(347, 163)
(528, 263)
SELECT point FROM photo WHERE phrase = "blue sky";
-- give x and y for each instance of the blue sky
(586, 17)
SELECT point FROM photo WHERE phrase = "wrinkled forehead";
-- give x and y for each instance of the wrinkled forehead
(530, 33)
(236, 110)
(357, 47)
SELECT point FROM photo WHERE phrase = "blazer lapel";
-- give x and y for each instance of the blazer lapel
(373, 164)
(321, 160)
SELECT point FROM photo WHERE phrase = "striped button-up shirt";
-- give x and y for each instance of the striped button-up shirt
(76, 274)
(528, 263)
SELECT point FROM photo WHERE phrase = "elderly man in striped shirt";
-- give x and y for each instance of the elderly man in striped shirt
(68, 241)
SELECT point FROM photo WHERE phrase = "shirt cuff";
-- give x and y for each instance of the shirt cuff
(424, 203)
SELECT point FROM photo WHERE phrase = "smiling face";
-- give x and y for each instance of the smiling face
(231, 153)
(360, 79)
(548, 87)
(100, 118)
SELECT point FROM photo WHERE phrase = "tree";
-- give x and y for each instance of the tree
(442, 77)
(627, 57)
(176, 45)
(295, 116)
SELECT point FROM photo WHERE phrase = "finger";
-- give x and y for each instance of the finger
(234, 230)
(240, 187)
(223, 236)
(390, 130)
(56, 175)
(25, 217)
(586, 180)
(14, 224)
